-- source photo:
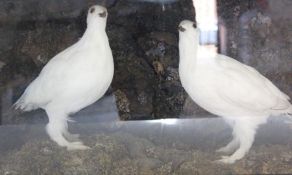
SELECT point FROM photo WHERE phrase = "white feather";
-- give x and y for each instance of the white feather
(73, 79)
(228, 88)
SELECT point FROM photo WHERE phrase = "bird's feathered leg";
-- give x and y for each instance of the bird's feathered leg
(233, 144)
(245, 130)
(58, 127)
(68, 135)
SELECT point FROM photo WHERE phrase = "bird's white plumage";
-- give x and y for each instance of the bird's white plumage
(228, 88)
(73, 79)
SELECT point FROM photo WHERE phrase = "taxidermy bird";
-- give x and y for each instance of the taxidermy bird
(72, 80)
(228, 88)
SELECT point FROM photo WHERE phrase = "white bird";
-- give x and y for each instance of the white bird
(73, 79)
(228, 88)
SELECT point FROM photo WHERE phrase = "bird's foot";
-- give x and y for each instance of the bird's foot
(72, 137)
(230, 147)
(76, 146)
(226, 160)
(237, 155)
(223, 149)
(227, 149)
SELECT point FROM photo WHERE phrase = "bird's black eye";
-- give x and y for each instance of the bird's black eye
(195, 25)
(180, 28)
(92, 10)
(103, 14)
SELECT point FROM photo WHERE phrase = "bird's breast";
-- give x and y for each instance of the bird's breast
(200, 87)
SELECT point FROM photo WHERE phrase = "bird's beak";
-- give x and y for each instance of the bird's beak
(103, 14)
(180, 28)
(195, 25)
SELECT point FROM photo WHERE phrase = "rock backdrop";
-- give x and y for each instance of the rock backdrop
(259, 34)
(144, 40)
(143, 37)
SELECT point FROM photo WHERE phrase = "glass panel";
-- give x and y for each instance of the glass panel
(147, 121)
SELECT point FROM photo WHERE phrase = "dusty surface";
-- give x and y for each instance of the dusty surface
(134, 148)
(122, 153)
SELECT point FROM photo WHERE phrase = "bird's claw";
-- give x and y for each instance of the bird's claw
(77, 146)
(223, 150)
(72, 137)
(226, 160)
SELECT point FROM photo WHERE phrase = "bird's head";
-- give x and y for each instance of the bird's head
(97, 15)
(188, 28)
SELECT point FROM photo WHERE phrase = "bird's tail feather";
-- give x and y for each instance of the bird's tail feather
(289, 115)
(290, 111)
(16, 109)
(21, 105)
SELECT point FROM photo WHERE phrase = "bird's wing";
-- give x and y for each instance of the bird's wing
(43, 88)
(242, 85)
(58, 62)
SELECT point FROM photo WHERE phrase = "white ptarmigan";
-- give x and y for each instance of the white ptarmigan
(228, 88)
(73, 79)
